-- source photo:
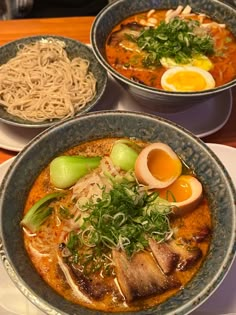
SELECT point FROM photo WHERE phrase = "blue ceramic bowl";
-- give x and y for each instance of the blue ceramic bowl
(53, 141)
(156, 99)
(74, 49)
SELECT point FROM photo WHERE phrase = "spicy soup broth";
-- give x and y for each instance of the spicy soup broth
(100, 290)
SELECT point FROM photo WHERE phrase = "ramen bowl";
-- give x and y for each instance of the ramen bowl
(156, 99)
(50, 143)
(73, 49)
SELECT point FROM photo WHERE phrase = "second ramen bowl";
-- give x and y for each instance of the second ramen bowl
(73, 49)
(55, 140)
(156, 99)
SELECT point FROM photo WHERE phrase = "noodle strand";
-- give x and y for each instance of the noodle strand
(41, 83)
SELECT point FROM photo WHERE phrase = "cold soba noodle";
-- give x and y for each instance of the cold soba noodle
(174, 50)
(41, 83)
(95, 233)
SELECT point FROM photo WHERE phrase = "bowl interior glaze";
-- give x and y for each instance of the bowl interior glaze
(55, 140)
(157, 99)
(74, 49)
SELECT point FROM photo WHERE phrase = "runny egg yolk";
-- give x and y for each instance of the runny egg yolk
(185, 194)
(180, 190)
(161, 164)
(157, 166)
(187, 79)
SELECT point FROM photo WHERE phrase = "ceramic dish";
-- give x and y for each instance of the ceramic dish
(209, 115)
(211, 172)
(154, 98)
(223, 301)
(15, 138)
(73, 48)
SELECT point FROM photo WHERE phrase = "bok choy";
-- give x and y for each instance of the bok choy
(66, 170)
(39, 212)
(124, 154)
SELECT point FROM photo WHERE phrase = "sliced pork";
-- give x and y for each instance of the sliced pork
(188, 255)
(140, 276)
(125, 31)
(165, 257)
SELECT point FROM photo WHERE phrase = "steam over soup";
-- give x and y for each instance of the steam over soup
(174, 50)
(105, 235)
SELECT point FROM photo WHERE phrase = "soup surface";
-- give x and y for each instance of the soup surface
(199, 51)
(111, 243)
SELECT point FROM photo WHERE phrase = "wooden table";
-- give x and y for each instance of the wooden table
(79, 28)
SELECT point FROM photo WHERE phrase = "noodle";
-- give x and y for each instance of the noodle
(42, 83)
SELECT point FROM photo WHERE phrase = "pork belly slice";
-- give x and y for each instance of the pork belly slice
(92, 286)
(165, 257)
(131, 29)
(188, 255)
(203, 234)
(140, 276)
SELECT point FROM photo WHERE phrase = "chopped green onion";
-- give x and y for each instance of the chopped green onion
(125, 217)
(178, 39)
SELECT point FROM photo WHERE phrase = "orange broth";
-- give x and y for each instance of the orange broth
(223, 59)
(42, 246)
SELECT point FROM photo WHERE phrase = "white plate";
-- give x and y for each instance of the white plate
(227, 155)
(12, 301)
(203, 119)
(15, 138)
(222, 302)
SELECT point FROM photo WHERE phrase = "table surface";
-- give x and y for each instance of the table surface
(79, 28)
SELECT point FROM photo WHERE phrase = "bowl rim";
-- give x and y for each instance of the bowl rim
(184, 309)
(155, 91)
(18, 122)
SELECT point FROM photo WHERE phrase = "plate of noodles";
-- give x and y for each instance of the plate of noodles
(45, 79)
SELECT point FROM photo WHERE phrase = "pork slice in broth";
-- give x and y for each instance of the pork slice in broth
(91, 286)
(126, 30)
(140, 276)
(165, 257)
(188, 255)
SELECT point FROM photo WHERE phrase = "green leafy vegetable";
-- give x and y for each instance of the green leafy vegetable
(124, 154)
(66, 170)
(178, 39)
(39, 212)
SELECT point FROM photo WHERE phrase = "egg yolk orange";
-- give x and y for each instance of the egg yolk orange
(179, 191)
(187, 81)
(161, 165)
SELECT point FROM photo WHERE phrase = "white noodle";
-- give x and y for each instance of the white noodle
(41, 83)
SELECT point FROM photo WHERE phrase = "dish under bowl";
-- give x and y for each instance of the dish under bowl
(156, 99)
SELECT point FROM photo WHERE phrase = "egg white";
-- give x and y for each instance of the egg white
(143, 173)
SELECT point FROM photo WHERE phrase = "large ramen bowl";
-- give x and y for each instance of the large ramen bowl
(62, 136)
(156, 99)
(73, 49)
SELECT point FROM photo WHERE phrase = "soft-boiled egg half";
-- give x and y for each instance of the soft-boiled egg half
(157, 166)
(184, 194)
(187, 79)
(200, 61)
